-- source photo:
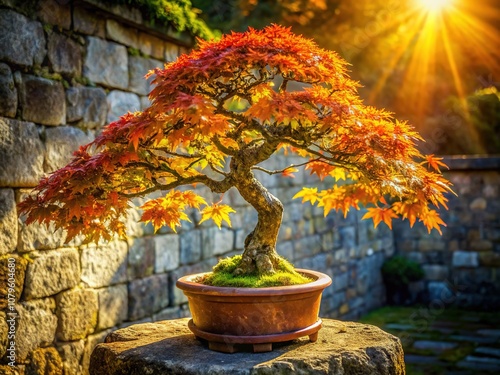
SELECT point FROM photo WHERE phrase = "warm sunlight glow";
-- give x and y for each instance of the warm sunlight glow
(435, 6)
(436, 34)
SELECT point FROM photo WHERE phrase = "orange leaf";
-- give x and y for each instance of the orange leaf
(432, 220)
(435, 162)
(380, 214)
(289, 172)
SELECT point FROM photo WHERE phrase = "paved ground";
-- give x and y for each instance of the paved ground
(443, 341)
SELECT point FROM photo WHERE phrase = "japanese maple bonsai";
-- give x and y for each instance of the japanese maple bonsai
(215, 115)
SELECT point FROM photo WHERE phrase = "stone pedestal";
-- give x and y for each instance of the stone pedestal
(168, 347)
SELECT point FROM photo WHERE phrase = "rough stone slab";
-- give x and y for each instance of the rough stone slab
(4, 332)
(190, 244)
(474, 339)
(105, 265)
(65, 55)
(42, 100)
(138, 68)
(21, 154)
(87, 23)
(167, 252)
(77, 312)
(122, 34)
(60, 143)
(113, 306)
(151, 45)
(171, 52)
(106, 63)
(86, 106)
(147, 296)
(8, 92)
(141, 258)
(8, 222)
(37, 325)
(22, 41)
(465, 259)
(438, 346)
(215, 241)
(169, 347)
(71, 355)
(489, 332)
(90, 344)
(38, 236)
(120, 103)
(494, 352)
(489, 259)
(435, 272)
(51, 273)
(20, 265)
(53, 13)
(44, 361)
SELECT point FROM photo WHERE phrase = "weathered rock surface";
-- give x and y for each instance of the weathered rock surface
(42, 100)
(138, 68)
(147, 296)
(106, 63)
(60, 143)
(8, 92)
(104, 265)
(72, 354)
(51, 273)
(112, 306)
(37, 326)
(4, 332)
(120, 102)
(141, 258)
(55, 13)
(169, 347)
(22, 41)
(44, 361)
(21, 153)
(65, 55)
(19, 266)
(8, 222)
(167, 252)
(87, 106)
(122, 34)
(77, 312)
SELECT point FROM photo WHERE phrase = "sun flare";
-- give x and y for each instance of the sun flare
(435, 6)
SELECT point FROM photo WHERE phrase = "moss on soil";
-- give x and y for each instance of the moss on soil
(223, 276)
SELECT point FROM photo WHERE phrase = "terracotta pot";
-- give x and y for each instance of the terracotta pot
(259, 316)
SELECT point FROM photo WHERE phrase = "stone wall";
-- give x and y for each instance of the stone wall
(462, 267)
(65, 71)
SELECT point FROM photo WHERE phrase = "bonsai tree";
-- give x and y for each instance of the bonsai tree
(215, 115)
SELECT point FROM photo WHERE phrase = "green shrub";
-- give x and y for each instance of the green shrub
(399, 271)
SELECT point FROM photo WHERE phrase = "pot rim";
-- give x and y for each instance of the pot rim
(321, 281)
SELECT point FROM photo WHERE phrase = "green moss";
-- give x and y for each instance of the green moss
(178, 13)
(222, 275)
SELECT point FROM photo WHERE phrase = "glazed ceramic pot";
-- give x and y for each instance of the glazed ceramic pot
(226, 316)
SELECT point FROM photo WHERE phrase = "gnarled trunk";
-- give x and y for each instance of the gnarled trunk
(260, 245)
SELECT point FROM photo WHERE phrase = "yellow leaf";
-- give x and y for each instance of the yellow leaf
(218, 213)
(308, 195)
(338, 173)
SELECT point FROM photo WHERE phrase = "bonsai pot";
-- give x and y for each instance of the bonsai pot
(227, 316)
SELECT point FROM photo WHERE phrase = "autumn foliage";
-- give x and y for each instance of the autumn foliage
(217, 113)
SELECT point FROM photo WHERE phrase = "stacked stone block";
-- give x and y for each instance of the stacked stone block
(66, 71)
(461, 266)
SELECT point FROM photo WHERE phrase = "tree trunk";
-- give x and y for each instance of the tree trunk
(260, 254)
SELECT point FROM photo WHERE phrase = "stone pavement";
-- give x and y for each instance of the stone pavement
(443, 341)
